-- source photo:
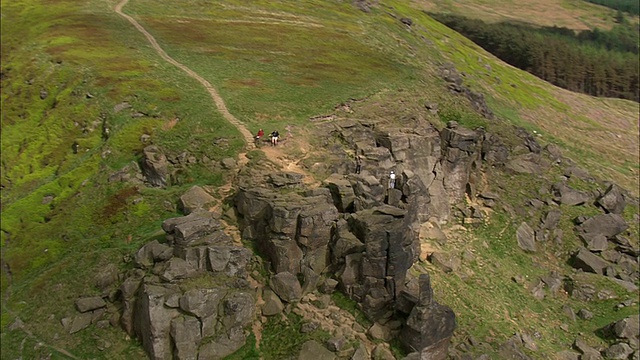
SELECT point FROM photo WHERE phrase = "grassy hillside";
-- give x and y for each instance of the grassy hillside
(68, 66)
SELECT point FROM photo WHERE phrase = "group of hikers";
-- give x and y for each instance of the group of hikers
(275, 135)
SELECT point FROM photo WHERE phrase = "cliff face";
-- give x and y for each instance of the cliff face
(361, 229)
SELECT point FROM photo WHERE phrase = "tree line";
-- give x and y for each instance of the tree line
(630, 6)
(597, 62)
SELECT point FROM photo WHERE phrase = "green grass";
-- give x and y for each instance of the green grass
(282, 337)
(351, 306)
(275, 64)
(490, 306)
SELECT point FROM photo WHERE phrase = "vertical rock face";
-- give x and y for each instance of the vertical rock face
(287, 228)
(429, 326)
(151, 321)
(460, 152)
(375, 275)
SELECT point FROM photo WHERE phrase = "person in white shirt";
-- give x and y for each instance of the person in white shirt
(392, 180)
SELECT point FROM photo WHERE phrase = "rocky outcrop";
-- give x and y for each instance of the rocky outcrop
(174, 321)
(359, 229)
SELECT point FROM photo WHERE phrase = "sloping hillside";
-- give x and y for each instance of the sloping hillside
(83, 93)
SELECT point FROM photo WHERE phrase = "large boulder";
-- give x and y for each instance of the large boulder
(229, 260)
(152, 252)
(287, 286)
(461, 147)
(526, 238)
(194, 199)
(608, 225)
(612, 201)
(155, 166)
(202, 303)
(628, 329)
(587, 261)
(222, 345)
(199, 227)
(564, 194)
(341, 191)
(529, 163)
(186, 335)
(90, 303)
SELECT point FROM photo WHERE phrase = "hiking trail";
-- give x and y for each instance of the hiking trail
(274, 154)
(217, 99)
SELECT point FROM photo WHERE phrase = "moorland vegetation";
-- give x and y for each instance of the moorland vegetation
(72, 69)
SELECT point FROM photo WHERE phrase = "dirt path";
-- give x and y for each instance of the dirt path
(222, 107)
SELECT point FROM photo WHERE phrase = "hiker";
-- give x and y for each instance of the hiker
(274, 137)
(392, 180)
(75, 147)
(259, 136)
(358, 164)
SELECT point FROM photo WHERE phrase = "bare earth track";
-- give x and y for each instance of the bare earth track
(248, 137)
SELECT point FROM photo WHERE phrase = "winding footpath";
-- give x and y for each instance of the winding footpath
(222, 107)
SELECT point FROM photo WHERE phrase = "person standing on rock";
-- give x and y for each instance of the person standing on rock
(358, 163)
(392, 180)
(274, 137)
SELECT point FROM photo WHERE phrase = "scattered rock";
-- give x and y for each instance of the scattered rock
(381, 352)
(628, 329)
(511, 349)
(314, 350)
(380, 332)
(608, 225)
(447, 262)
(587, 351)
(337, 344)
(612, 201)
(272, 304)
(228, 163)
(308, 327)
(585, 314)
(80, 322)
(91, 303)
(567, 310)
(595, 242)
(526, 238)
(406, 21)
(619, 351)
(567, 355)
(155, 166)
(564, 194)
(587, 261)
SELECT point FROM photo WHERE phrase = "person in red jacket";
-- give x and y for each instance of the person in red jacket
(259, 136)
